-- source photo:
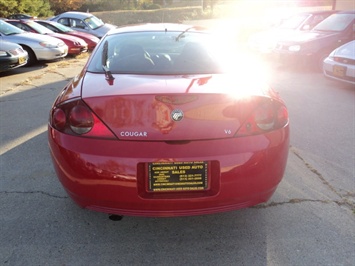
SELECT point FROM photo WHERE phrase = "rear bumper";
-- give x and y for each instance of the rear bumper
(111, 176)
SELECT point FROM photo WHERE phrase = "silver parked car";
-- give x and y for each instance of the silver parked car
(84, 22)
(340, 64)
(38, 47)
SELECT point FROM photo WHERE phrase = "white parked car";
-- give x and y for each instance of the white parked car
(37, 46)
(340, 64)
(84, 22)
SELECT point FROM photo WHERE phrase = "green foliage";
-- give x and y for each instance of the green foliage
(7, 7)
(110, 5)
(39, 8)
(46, 8)
(60, 6)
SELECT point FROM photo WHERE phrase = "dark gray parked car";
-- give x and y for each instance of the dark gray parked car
(12, 56)
(312, 47)
(264, 42)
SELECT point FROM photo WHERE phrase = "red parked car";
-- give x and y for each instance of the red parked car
(90, 39)
(75, 45)
(158, 124)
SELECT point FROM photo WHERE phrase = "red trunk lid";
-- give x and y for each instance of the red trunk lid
(169, 108)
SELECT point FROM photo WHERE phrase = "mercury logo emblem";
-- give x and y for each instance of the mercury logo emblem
(177, 115)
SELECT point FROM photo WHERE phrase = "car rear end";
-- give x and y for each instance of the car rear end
(224, 154)
(169, 144)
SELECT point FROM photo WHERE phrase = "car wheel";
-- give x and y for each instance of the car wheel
(31, 56)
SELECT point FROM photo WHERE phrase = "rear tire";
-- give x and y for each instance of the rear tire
(32, 59)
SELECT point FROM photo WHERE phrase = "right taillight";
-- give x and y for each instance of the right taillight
(76, 118)
(268, 116)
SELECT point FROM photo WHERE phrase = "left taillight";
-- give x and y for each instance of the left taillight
(76, 118)
(267, 116)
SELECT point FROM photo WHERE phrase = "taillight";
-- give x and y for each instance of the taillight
(81, 120)
(58, 119)
(268, 116)
(282, 116)
(264, 117)
(76, 118)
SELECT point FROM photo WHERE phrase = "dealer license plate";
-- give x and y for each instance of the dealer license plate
(339, 71)
(178, 176)
(21, 60)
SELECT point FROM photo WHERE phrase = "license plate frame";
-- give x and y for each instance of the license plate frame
(178, 176)
(339, 71)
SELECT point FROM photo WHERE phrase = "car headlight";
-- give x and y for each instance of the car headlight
(294, 48)
(3, 53)
(48, 45)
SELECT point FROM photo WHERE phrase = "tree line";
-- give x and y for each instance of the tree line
(46, 8)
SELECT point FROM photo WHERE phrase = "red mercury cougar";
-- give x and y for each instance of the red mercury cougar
(165, 120)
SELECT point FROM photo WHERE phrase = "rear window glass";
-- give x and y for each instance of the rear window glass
(161, 53)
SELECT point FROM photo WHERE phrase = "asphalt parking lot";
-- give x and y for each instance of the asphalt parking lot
(309, 221)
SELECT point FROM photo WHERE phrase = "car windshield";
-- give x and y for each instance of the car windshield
(162, 53)
(39, 28)
(94, 22)
(336, 22)
(293, 22)
(8, 29)
(62, 27)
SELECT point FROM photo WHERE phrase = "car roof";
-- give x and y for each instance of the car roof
(4, 44)
(158, 27)
(316, 12)
(18, 20)
(23, 21)
(324, 11)
(75, 14)
(347, 12)
(54, 23)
